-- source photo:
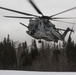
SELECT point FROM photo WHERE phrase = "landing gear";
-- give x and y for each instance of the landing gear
(40, 41)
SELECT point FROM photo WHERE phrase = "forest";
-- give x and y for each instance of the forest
(48, 57)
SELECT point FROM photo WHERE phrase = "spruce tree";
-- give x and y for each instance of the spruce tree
(9, 54)
(34, 50)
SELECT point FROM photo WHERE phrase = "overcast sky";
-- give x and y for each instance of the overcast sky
(48, 7)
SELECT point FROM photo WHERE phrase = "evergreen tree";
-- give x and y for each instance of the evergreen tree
(34, 50)
(71, 54)
(70, 48)
(9, 54)
(24, 46)
(24, 60)
(1, 54)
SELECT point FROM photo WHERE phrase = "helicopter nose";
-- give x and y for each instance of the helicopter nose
(30, 32)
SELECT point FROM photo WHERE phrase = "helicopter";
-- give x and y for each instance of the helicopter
(41, 27)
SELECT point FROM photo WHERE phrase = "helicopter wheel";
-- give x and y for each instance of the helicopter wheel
(39, 41)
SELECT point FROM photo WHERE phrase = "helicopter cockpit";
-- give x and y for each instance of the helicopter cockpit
(35, 25)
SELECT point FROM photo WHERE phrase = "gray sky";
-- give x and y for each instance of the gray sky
(48, 7)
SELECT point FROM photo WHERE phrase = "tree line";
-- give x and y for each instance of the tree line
(48, 57)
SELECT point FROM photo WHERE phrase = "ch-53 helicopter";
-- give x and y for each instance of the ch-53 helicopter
(40, 27)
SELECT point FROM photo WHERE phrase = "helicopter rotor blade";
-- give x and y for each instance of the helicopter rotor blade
(63, 21)
(35, 7)
(17, 11)
(23, 24)
(63, 11)
(19, 17)
(64, 18)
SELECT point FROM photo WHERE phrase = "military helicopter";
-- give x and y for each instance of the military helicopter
(41, 27)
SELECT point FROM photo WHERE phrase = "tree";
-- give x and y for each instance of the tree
(24, 46)
(34, 50)
(9, 54)
(24, 59)
(70, 48)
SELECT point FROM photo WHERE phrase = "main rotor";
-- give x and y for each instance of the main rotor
(52, 17)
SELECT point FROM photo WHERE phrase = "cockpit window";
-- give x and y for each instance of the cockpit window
(33, 25)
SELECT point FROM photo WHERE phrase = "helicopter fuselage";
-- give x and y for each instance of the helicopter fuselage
(38, 29)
